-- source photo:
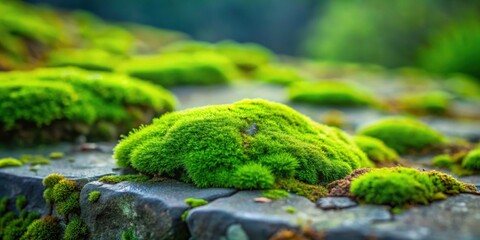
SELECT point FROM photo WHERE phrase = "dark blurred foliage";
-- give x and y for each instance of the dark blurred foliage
(276, 24)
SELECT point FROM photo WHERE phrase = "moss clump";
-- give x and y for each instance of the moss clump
(114, 179)
(403, 134)
(375, 149)
(93, 196)
(21, 202)
(249, 144)
(181, 69)
(10, 162)
(76, 230)
(89, 59)
(129, 235)
(185, 215)
(275, 194)
(51, 180)
(62, 193)
(442, 161)
(45, 228)
(330, 93)
(435, 102)
(277, 74)
(15, 228)
(472, 160)
(3, 205)
(312, 192)
(56, 155)
(195, 202)
(402, 186)
(55, 104)
(290, 209)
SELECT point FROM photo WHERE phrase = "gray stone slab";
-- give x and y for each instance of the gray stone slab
(151, 210)
(262, 220)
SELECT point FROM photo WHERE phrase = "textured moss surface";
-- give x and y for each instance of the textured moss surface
(403, 134)
(195, 202)
(401, 186)
(472, 160)
(248, 144)
(375, 149)
(330, 93)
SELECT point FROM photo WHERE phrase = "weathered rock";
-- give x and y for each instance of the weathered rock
(151, 210)
(335, 203)
(262, 220)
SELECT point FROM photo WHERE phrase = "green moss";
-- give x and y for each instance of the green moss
(435, 102)
(442, 161)
(90, 59)
(472, 160)
(290, 209)
(17, 227)
(51, 180)
(312, 192)
(246, 56)
(76, 230)
(46, 228)
(402, 186)
(375, 149)
(185, 215)
(129, 235)
(278, 74)
(403, 134)
(203, 68)
(21, 202)
(330, 93)
(3, 205)
(36, 100)
(93, 196)
(275, 194)
(242, 143)
(114, 179)
(56, 155)
(10, 162)
(195, 202)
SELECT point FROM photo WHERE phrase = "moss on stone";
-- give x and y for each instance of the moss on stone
(93, 196)
(89, 59)
(21, 202)
(129, 235)
(52, 179)
(45, 228)
(310, 191)
(185, 215)
(76, 230)
(443, 161)
(114, 179)
(275, 194)
(195, 202)
(10, 162)
(330, 93)
(403, 134)
(472, 160)
(402, 186)
(290, 209)
(3, 205)
(375, 149)
(62, 193)
(278, 74)
(56, 155)
(249, 144)
(434, 102)
(16, 228)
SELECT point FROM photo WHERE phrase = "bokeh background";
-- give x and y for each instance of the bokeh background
(438, 35)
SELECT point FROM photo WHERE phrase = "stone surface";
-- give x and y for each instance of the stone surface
(151, 210)
(335, 203)
(262, 220)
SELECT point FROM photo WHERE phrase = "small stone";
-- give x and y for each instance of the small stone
(262, 200)
(252, 129)
(335, 203)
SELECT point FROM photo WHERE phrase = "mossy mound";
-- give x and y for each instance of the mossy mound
(434, 102)
(443, 161)
(278, 74)
(375, 149)
(403, 134)
(330, 93)
(89, 59)
(54, 104)
(472, 160)
(203, 68)
(402, 186)
(248, 144)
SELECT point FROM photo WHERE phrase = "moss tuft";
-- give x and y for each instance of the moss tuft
(76, 230)
(403, 134)
(195, 202)
(3, 205)
(278, 74)
(330, 93)
(56, 155)
(290, 209)
(51, 180)
(312, 192)
(10, 162)
(275, 194)
(435, 102)
(442, 161)
(249, 144)
(472, 160)
(45, 228)
(129, 235)
(93, 196)
(402, 186)
(375, 149)
(114, 179)
(21, 202)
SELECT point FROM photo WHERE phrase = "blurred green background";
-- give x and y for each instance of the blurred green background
(441, 36)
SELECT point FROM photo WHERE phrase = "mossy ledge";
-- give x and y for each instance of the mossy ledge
(251, 144)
